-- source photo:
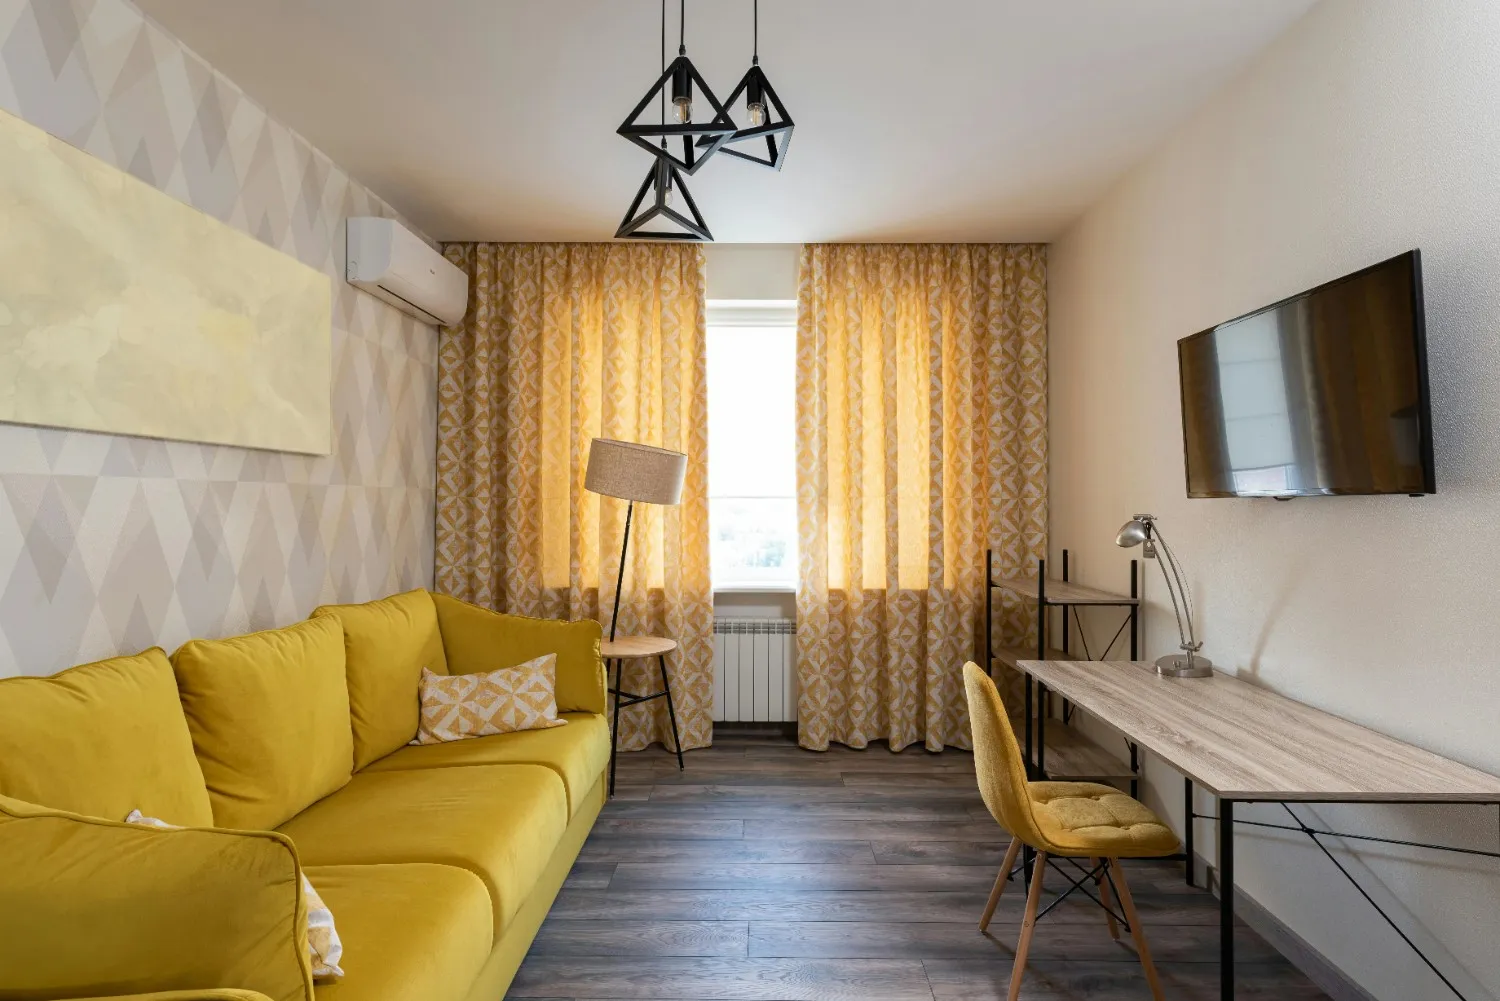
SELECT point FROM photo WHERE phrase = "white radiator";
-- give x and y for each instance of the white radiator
(755, 670)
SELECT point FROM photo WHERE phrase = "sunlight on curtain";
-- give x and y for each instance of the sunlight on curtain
(921, 441)
(564, 343)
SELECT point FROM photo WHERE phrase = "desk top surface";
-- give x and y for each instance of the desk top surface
(1248, 743)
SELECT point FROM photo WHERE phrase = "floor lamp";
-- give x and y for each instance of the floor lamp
(635, 473)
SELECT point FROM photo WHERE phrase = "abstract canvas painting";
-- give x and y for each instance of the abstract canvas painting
(123, 310)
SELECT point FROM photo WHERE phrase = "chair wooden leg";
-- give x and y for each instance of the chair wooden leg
(1028, 924)
(1106, 898)
(1000, 881)
(1137, 932)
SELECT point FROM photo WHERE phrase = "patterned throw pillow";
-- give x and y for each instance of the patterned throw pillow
(457, 706)
(324, 950)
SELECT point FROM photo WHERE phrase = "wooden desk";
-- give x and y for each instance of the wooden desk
(1245, 743)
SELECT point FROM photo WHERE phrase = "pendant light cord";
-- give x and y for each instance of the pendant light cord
(664, 68)
(755, 36)
(682, 28)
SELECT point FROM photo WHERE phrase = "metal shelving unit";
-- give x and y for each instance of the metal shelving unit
(1067, 753)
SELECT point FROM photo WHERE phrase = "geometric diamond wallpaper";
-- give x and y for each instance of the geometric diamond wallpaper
(111, 544)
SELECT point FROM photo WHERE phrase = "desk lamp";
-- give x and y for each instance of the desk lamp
(1142, 531)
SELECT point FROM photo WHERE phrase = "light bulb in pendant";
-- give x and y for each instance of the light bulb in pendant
(666, 195)
(682, 110)
(757, 112)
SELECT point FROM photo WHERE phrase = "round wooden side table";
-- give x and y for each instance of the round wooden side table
(619, 650)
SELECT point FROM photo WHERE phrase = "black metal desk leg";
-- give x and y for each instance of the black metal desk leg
(614, 731)
(1030, 761)
(1187, 825)
(1041, 731)
(666, 686)
(1226, 900)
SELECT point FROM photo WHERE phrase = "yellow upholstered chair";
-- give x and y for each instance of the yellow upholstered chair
(1072, 820)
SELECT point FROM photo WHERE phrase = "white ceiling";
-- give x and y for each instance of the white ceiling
(943, 120)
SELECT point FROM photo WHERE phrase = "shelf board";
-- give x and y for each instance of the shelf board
(1072, 756)
(1011, 656)
(1061, 592)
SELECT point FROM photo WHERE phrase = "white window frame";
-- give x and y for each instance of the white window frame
(753, 313)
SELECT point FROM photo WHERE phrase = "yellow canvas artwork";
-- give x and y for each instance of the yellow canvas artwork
(124, 310)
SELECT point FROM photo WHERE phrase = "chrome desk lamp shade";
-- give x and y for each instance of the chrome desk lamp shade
(1142, 531)
(633, 472)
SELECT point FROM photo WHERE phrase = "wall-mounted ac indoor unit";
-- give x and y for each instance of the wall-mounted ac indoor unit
(391, 262)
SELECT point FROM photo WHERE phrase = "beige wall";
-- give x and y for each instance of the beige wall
(751, 270)
(110, 544)
(1371, 127)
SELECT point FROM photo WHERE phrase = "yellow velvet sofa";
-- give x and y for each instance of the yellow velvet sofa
(280, 753)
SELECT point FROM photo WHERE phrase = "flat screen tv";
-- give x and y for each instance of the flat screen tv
(1323, 393)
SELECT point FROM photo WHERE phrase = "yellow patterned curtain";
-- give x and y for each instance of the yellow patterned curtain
(564, 343)
(921, 441)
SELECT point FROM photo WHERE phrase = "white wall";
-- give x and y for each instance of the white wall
(752, 270)
(1371, 127)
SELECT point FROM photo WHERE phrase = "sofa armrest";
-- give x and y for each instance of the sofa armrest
(476, 639)
(216, 994)
(93, 908)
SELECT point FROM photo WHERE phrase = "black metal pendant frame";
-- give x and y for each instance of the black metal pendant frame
(662, 176)
(699, 141)
(779, 126)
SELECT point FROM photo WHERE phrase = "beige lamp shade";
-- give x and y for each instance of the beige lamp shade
(635, 472)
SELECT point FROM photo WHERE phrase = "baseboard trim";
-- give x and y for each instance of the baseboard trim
(741, 729)
(1318, 968)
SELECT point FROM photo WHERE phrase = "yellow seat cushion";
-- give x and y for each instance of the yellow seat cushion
(478, 640)
(1086, 818)
(269, 714)
(500, 822)
(578, 753)
(101, 740)
(412, 932)
(387, 643)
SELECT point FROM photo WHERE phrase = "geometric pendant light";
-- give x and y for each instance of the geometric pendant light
(765, 139)
(660, 183)
(700, 139)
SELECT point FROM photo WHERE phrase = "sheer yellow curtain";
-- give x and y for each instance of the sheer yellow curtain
(921, 442)
(564, 343)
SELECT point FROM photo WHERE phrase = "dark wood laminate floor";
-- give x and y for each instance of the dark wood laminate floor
(768, 873)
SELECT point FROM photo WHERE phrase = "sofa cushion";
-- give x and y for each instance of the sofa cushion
(101, 740)
(269, 715)
(578, 753)
(460, 706)
(91, 908)
(413, 932)
(500, 822)
(387, 643)
(477, 639)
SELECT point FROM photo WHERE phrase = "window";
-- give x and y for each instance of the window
(752, 462)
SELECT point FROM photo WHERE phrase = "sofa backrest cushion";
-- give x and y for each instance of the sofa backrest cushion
(269, 715)
(101, 740)
(387, 643)
(478, 640)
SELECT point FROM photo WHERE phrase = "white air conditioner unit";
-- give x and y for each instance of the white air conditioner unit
(391, 262)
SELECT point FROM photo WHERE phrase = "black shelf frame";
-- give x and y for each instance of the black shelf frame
(1036, 694)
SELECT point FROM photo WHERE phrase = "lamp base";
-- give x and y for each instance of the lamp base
(1176, 665)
